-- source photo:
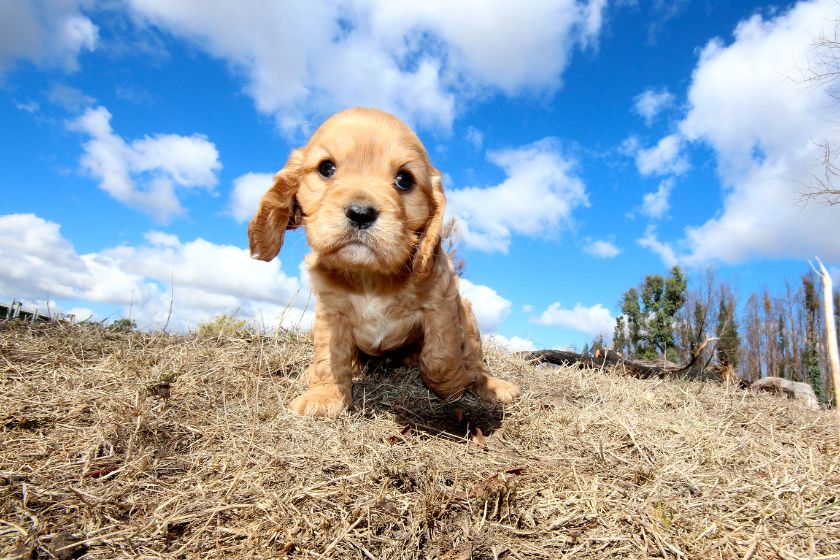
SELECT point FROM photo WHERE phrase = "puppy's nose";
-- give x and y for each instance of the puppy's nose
(361, 216)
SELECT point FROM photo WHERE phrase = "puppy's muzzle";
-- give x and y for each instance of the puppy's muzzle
(361, 216)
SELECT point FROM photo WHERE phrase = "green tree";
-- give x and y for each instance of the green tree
(812, 356)
(837, 313)
(650, 316)
(630, 308)
(813, 371)
(620, 335)
(662, 299)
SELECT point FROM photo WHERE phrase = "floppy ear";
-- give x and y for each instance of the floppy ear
(278, 211)
(431, 237)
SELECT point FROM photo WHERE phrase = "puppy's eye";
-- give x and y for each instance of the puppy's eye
(326, 169)
(404, 181)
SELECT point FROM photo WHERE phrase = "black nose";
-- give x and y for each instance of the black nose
(361, 215)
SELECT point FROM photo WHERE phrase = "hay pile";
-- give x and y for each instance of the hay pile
(139, 445)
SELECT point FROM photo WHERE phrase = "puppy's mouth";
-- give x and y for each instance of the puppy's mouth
(356, 248)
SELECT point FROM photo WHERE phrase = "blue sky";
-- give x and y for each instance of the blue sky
(584, 145)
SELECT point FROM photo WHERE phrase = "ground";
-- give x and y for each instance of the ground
(148, 445)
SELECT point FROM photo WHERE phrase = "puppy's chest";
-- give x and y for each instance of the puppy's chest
(383, 323)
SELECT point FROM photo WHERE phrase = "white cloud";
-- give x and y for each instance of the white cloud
(68, 97)
(146, 173)
(663, 159)
(593, 320)
(161, 239)
(202, 278)
(629, 146)
(248, 189)
(602, 249)
(650, 241)
(36, 261)
(512, 344)
(536, 199)
(45, 32)
(82, 314)
(30, 106)
(302, 60)
(489, 307)
(747, 102)
(655, 204)
(650, 103)
(475, 137)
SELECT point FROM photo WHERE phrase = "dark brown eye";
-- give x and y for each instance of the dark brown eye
(326, 168)
(404, 181)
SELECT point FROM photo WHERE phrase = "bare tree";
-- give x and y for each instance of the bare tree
(793, 335)
(768, 333)
(754, 345)
(824, 71)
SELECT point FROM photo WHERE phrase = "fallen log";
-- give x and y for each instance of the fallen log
(643, 369)
(601, 359)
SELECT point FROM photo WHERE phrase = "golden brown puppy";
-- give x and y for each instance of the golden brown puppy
(372, 205)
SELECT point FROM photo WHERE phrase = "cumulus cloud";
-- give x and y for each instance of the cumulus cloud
(489, 307)
(302, 60)
(537, 198)
(602, 249)
(512, 344)
(36, 261)
(747, 101)
(202, 278)
(592, 321)
(664, 158)
(650, 241)
(247, 192)
(655, 204)
(44, 32)
(651, 103)
(146, 173)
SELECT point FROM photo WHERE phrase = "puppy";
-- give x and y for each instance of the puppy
(372, 207)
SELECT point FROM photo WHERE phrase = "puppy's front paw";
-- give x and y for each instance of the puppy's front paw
(323, 400)
(495, 389)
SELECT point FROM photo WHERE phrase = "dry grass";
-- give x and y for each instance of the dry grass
(587, 464)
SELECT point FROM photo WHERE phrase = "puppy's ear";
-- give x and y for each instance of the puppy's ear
(278, 211)
(424, 257)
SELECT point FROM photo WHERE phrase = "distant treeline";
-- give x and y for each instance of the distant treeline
(767, 334)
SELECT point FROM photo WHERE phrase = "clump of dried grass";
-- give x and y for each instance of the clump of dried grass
(145, 445)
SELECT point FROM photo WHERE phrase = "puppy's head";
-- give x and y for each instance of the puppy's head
(366, 192)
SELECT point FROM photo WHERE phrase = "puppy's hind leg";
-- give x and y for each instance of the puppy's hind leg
(486, 387)
(451, 358)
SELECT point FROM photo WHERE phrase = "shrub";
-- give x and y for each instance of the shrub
(222, 325)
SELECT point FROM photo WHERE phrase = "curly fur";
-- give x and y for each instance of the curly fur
(385, 288)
